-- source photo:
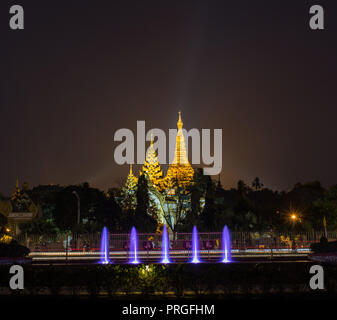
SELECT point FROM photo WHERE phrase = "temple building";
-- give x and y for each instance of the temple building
(19, 209)
(180, 172)
(169, 193)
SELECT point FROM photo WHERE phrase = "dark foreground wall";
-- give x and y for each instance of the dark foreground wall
(176, 280)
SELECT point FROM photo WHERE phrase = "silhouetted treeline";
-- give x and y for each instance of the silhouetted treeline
(248, 207)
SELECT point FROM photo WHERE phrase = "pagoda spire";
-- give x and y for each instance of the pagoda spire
(180, 154)
(129, 191)
(16, 192)
(131, 181)
(180, 168)
(180, 122)
(151, 143)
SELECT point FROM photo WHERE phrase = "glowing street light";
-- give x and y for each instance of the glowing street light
(295, 217)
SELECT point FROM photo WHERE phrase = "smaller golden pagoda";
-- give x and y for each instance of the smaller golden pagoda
(16, 192)
(131, 180)
(152, 168)
(19, 209)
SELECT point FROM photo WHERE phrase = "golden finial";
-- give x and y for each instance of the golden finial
(151, 138)
(179, 123)
(17, 190)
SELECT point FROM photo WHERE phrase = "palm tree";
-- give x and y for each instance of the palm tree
(257, 184)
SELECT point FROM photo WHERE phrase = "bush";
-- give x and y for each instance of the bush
(223, 280)
(324, 246)
(13, 250)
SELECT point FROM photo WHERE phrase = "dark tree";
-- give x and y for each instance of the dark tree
(208, 217)
(109, 214)
(142, 220)
(326, 207)
(242, 188)
(65, 213)
(257, 184)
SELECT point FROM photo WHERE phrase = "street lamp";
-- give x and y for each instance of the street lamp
(295, 217)
(78, 206)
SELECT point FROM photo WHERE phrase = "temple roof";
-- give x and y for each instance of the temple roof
(20, 202)
(152, 167)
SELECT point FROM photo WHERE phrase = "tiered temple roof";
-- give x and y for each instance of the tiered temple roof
(131, 181)
(152, 167)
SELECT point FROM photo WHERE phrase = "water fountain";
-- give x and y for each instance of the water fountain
(195, 246)
(226, 246)
(105, 247)
(165, 247)
(133, 246)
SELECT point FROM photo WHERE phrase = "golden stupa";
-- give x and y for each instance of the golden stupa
(180, 171)
(131, 180)
(152, 168)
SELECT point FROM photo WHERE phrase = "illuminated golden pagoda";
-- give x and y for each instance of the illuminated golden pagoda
(129, 191)
(131, 180)
(16, 192)
(166, 203)
(180, 169)
(152, 168)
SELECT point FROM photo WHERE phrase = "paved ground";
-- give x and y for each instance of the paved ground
(175, 257)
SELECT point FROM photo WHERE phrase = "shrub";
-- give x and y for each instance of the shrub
(324, 246)
(13, 250)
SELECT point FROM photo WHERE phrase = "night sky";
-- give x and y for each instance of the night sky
(83, 69)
